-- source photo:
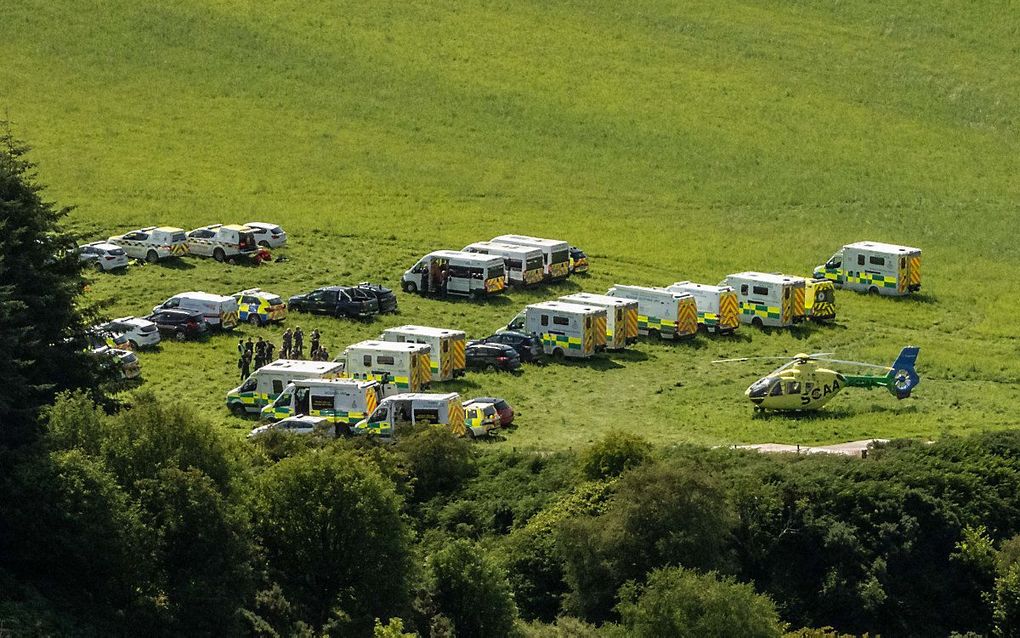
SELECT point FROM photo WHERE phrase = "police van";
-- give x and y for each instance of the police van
(153, 243)
(565, 329)
(454, 272)
(555, 253)
(768, 299)
(340, 401)
(414, 409)
(875, 268)
(525, 265)
(718, 306)
(621, 317)
(661, 313)
(259, 307)
(446, 357)
(222, 242)
(398, 367)
(219, 311)
(268, 382)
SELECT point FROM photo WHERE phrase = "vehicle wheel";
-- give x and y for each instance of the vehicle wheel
(655, 334)
(98, 266)
(219, 255)
(134, 344)
(152, 256)
(469, 433)
(238, 410)
(254, 319)
(264, 243)
(873, 290)
(558, 354)
(409, 286)
(180, 336)
(758, 323)
(492, 367)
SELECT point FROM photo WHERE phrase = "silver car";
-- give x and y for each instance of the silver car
(103, 256)
(268, 235)
(300, 424)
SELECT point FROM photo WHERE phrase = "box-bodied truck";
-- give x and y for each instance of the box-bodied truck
(718, 306)
(565, 329)
(446, 357)
(875, 268)
(267, 383)
(398, 367)
(621, 317)
(414, 409)
(768, 299)
(342, 402)
(661, 313)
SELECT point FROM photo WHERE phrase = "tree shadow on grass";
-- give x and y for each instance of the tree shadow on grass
(174, 263)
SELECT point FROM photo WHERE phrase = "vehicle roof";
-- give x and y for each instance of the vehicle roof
(388, 346)
(490, 344)
(131, 319)
(505, 247)
(426, 331)
(882, 247)
(360, 384)
(423, 396)
(103, 243)
(333, 288)
(301, 418)
(564, 306)
(182, 311)
(475, 403)
(488, 400)
(257, 292)
(262, 225)
(526, 240)
(203, 296)
(650, 289)
(766, 277)
(694, 286)
(460, 254)
(519, 333)
(300, 365)
(166, 229)
(238, 227)
(597, 300)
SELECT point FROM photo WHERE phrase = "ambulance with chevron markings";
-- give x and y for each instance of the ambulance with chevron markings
(555, 253)
(718, 306)
(621, 317)
(661, 313)
(268, 382)
(411, 409)
(875, 268)
(342, 402)
(565, 329)
(525, 265)
(819, 300)
(152, 243)
(768, 299)
(446, 357)
(398, 367)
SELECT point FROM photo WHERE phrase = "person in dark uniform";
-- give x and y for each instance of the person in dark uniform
(260, 353)
(285, 350)
(299, 343)
(240, 346)
(315, 344)
(244, 365)
(270, 352)
(249, 347)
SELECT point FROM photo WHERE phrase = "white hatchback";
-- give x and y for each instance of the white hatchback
(300, 424)
(103, 255)
(269, 235)
(141, 333)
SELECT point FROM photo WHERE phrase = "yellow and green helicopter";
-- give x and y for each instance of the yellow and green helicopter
(804, 384)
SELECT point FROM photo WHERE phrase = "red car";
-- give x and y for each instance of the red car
(506, 413)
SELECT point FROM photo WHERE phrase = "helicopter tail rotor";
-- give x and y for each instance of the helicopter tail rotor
(903, 376)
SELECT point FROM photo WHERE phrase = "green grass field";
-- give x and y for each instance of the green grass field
(671, 141)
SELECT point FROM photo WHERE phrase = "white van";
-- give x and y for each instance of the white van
(413, 409)
(555, 253)
(219, 311)
(661, 313)
(525, 265)
(768, 299)
(446, 357)
(340, 401)
(398, 367)
(454, 272)
(718, 306)
(267, 383)
(565, 329)
(874, 267)
(621, 317)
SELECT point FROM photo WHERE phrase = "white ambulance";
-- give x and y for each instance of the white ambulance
(152, 243)
(398, 367)
(222, 242)
(220, 312)
(875, 268)
(267, 383)
(621, 317)
(454, 272)
(414, 409)
(768, 299)
(340, 401)
(661, 313)
(718, 306)
(565, 329)
(555, 253)
(525, 265)
(446, 356)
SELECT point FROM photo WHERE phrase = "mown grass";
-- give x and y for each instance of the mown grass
(672, 141)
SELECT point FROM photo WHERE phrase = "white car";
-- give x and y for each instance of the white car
(125, 361)
(153, 243)
(300, 424)
(222, 242)
(141, 333)
(268, 235)
(103, 256)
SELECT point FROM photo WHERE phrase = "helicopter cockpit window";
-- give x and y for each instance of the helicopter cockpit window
(793, 387)
(777, 390)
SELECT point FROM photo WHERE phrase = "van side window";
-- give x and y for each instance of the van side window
(367, 360)
(426, 415)
(384, 360)
(515, 264)
(876, 261)
(545, 320)
(743, 289)
(860, 260)
(561, 321)
(322, 402)
(761, 290)
(277, 386)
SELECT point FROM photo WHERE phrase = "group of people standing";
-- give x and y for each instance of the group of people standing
(255, 354)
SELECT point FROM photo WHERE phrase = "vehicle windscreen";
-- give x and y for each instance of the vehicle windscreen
(534, 263)
(177, 237)
(496, 271)
(560, 256)
(275, 301)
(276, 230)
(117, 252)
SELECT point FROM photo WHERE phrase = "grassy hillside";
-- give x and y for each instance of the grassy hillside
(672, 142)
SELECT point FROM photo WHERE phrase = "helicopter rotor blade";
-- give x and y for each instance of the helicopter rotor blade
(741, 359)
(857, 363)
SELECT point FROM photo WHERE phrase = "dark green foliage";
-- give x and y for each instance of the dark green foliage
(438, 460)
(334, 539)
(1006, 614)
(41, 322)
(613, 454)
(470, 589)
(684, 604)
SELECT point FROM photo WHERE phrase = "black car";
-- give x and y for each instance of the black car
(338, 301)
(491, 356)
(387, 300)
(180, 324)
(529, 347)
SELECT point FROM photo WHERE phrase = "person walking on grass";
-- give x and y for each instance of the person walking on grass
(299, 343)
(244, 365)
(315, 344)
(285, 349)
